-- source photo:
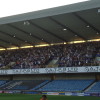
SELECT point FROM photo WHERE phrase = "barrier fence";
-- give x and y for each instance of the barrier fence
(51, 93)
(84, 69)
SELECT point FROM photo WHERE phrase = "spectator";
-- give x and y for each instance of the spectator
(70, 55)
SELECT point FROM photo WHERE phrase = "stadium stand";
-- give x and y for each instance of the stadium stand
(52, 52)
(22, 84)
(41, 85)
(95, 88)
(69, 55)
(2, 82)
(60, 83)
(67, 85)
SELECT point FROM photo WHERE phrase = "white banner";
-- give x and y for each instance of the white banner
(52, 93)
(52, 70)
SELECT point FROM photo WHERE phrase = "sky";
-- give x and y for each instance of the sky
(15, 7)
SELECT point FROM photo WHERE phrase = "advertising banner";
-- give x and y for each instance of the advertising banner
(52, 93)
(52, 70)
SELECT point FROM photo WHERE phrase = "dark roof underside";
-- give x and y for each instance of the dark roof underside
(55, 28)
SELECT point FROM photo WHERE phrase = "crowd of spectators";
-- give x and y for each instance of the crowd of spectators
(80, 54)
(29, 58)
(70, 55)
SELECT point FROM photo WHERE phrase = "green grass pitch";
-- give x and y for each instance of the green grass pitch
(37, 97)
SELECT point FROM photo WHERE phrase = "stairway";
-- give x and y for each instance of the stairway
(53, 62)
(90, 87)
(11, 84)
(44, 85)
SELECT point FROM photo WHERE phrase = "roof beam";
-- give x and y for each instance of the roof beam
(27, 33)
(9, 42)
(2, 46)
(64, 26)
(45, 30)
(13, 37)
(90, 4)
(86, 22)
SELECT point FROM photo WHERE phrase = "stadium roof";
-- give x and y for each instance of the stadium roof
(75, 22)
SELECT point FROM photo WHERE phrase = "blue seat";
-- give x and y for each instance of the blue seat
(2, 82)
(95, 88)
(66, 85)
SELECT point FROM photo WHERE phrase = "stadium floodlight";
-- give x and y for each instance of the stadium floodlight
(15, 7)
(99, 10)
(64, 29)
